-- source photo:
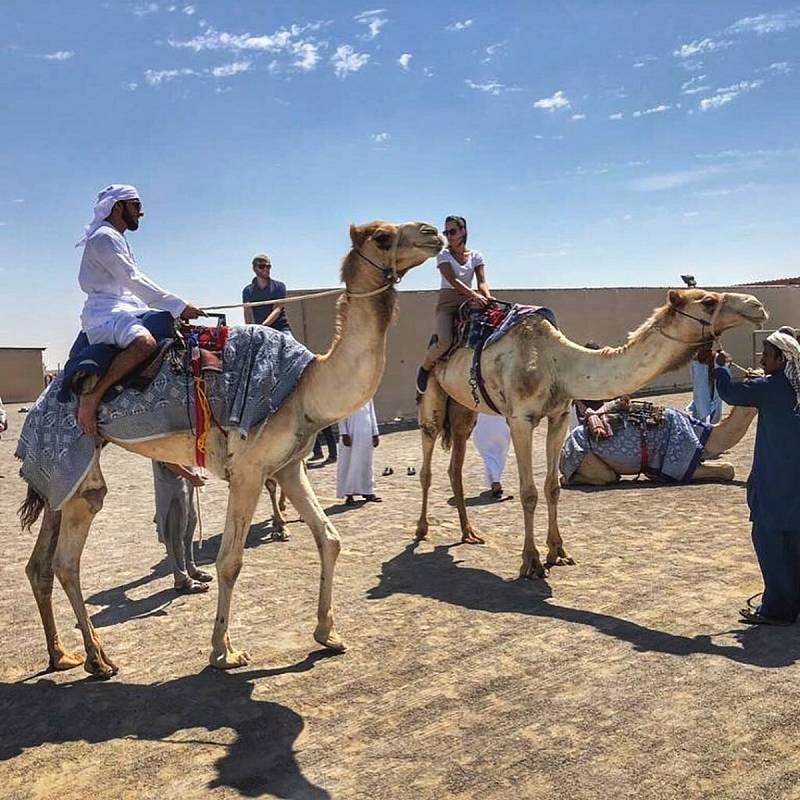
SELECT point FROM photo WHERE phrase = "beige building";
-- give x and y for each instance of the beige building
(21, 373)
(605, 315)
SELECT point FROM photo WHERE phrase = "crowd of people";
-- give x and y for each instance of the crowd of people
(118, 294)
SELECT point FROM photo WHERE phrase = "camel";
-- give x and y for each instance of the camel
(597, 471)
(535, 371)
(331, 387)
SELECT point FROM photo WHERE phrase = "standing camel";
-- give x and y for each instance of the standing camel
(596, 471)
(331, 387)
(535, 371)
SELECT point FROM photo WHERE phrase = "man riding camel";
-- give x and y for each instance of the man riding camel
(118, 294)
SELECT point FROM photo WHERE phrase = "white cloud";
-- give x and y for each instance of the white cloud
(726, 94)
(767, 23)
(459, 26)
(373, 20)
(491, 87)
(578, 116)
(157, 77)
(700, 46)
(58, 55)
(655, 110)
(428, 72)
(306, 55)
(694, 85)
(780, 68)
(618, 115)
(673, 180)
(131, 86)
(557, 100)
(492, 50)
(18, 200)
(189, 10)
(346, 60)
(143, 9)
(381, 138)
(405, 60)
(228, 70)
(212, 39)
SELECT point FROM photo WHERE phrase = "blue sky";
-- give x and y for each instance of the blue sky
(587, 143)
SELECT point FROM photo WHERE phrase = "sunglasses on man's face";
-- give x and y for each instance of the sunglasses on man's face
(452, 231)
(261, 265)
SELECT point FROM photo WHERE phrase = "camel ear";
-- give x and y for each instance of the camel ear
(676, 298)
(358, 235)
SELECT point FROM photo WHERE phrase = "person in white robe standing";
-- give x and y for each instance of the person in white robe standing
(359, 437)
(492, 437)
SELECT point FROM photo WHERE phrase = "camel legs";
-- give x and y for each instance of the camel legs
(294, 480)
(278, 519)
(594, 472)
(243, 494)
(76, 519)
(462, 421)
(40, 574)
(721, 471)
(521, 436)
(431, 415)
(556, 430)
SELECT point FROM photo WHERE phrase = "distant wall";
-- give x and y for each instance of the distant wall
(605, 315)
(21, 374)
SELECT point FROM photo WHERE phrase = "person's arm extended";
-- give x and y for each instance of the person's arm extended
(461, 287)
(750, 393)
(483, 285)
(184, 472)
(124, 270)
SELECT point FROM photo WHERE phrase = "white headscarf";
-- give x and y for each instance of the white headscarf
(105, 202)
(790, 347)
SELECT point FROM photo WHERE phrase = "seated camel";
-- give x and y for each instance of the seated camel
(665, 444)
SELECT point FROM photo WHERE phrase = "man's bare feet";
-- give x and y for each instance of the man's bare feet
(87, 413)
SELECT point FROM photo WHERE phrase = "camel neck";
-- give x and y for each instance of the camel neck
(609, 373)
(730, 431)
(349, 373)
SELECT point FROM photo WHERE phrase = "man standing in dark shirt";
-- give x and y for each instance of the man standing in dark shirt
(263, 287)
(772, 488)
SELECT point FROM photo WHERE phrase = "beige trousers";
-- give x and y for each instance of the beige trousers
(446, 307)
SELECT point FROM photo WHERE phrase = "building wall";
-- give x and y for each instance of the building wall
(21, 374)
(605, 315)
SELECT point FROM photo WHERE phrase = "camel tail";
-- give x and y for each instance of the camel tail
(31, 509)
(447, 431)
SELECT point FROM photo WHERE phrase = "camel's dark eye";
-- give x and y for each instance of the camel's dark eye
(709, 303)
(383, 239)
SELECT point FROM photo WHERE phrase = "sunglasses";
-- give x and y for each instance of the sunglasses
(262, 266)
(452, 231)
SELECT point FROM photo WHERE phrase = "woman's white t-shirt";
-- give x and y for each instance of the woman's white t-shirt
(464, 272)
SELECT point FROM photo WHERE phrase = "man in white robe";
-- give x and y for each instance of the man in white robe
(359, 436)
(492, 437)
(118, 293)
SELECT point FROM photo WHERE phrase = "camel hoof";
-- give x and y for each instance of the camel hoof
(230, 659)
(529, 570)
(469, 537)
(561, 561)
(332, 641)
(100, 669)
(422, 533)
(66, 660)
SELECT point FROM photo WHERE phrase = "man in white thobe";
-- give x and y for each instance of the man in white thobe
(118, 294)
(492, 437)
(359, 434)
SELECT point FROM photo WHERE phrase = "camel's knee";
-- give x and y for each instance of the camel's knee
(228, 569)
(94, 497)
(552, 489)
(529, 498)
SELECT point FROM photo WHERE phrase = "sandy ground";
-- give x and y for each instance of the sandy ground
(624, 676)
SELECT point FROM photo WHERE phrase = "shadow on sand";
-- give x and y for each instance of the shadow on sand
(260, 761)
(118, 607)
(628, 484)
(438, 575)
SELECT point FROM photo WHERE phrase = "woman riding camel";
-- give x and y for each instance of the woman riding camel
(458, 266)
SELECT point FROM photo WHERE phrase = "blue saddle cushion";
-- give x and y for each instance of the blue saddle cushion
(95, 359)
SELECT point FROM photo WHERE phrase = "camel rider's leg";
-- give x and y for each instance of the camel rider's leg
(446, 308)
(142, 346)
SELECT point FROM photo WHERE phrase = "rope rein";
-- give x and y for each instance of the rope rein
(390, 276)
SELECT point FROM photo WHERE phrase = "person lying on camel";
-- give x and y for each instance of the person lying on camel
(118, 294)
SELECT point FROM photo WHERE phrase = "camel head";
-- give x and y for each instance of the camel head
(699, 313)
(396, 247)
